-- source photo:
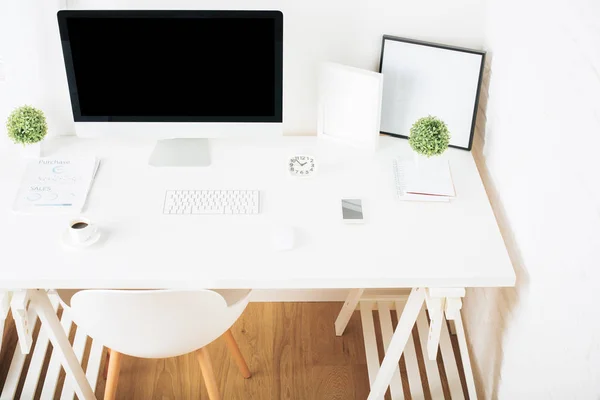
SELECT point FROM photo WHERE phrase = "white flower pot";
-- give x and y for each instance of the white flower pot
(33, 150)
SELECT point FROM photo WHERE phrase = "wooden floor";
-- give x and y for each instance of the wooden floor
(291, 349)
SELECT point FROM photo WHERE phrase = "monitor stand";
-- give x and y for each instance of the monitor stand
(181, 153)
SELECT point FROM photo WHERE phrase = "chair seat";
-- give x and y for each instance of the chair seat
(233, 296)
(159, 324)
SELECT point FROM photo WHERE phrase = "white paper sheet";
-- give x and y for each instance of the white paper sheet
(55, 185)
(423, 183)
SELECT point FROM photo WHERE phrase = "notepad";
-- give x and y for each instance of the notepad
(53, 186)
(423, 182)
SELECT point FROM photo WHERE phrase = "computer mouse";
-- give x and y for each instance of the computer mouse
(283, 238)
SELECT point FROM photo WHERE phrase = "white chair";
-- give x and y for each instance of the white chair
(159, 324)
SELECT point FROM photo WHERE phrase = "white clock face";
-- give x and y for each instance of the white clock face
(302, 165)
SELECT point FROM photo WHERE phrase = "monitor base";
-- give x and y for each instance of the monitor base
(180, 153)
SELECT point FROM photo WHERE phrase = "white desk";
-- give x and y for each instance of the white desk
(401, 244)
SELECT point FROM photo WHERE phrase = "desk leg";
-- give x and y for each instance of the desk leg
(347, 310)
(435, 307)
(397, 344)
(60, 342)
(440, 302)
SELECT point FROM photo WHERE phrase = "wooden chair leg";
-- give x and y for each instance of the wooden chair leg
(209, 375)
(112, 379)
(106, 364)
(237, 354)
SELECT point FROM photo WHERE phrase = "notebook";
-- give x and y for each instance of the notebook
(53, 186)
(423, 182)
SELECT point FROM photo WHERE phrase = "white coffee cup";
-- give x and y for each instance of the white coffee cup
(81, 230)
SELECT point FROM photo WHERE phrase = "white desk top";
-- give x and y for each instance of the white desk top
(401, 244)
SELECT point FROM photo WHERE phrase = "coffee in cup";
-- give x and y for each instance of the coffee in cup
(81, 230)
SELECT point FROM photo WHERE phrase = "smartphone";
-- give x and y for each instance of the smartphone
(352, 210)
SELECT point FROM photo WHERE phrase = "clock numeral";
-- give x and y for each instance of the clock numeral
(302, 165)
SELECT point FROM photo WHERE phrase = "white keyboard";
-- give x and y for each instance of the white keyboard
(212, 202)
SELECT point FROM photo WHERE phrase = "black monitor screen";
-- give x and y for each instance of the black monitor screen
(171, 66)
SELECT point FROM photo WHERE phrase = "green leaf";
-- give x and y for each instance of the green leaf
(26, 125)
(429, 136)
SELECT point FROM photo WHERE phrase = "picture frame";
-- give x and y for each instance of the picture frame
(424, 78)
(349, 107)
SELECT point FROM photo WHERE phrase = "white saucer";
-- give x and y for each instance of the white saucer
(67, 240)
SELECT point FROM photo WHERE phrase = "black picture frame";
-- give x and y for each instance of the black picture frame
(481, 53)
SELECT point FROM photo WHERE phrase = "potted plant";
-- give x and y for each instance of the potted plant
(429, 137)
(27, 126)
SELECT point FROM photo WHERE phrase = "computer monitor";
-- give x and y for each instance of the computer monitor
(179, 75)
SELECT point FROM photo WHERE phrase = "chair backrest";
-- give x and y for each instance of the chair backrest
(155, 323)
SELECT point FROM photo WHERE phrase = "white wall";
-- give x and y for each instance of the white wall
(542, 339)
(347, 31)
(30, 49)
(3, 102)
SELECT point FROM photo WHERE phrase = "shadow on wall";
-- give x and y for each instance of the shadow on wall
(488, 311)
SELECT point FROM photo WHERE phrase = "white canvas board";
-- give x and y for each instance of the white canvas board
(423, 80)
(350, 105)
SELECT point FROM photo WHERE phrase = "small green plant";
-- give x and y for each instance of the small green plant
(26, 125)
(429, 136)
